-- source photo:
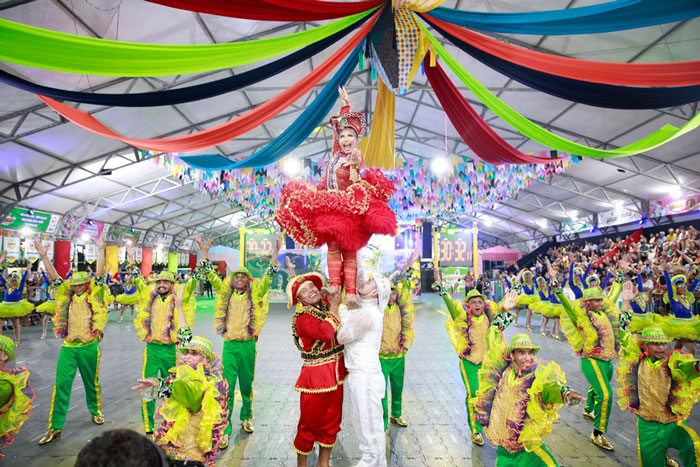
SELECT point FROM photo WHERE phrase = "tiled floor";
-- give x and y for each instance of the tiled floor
(433, 402)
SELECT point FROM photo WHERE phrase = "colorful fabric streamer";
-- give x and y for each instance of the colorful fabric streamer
(186, 94)
(598, 95)
(475, 132)
(612, 16)
(537, 133)
(629, 74)
(379, 149)
(226, 131)
(293, 135)
(51, 50)
(273, 10)
(469, 188)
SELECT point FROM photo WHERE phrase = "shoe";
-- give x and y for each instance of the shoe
(601, 442)
(398, 420)
(477, 439)
(223, 442)
(247, 426)
(98, 419)
(17, 343)
(50, 436)
(529, 328)
(120, 320)
(588, 415)
(515, 324)
(150, 436)
(559, 338)
(43, 337)
(670, 462)
(543, 333)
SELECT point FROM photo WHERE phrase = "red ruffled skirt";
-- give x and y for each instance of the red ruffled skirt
(315, 217)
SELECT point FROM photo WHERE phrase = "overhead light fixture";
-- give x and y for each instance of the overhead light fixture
(675, 191)
(26, 231)
(128, 242)
(573, 215)
(488, 221)
(104, 172)
(291, 166)
(85, 237)
(160, 246)
(90, 222)
(542, 223)
(30, 211)
(440, 165)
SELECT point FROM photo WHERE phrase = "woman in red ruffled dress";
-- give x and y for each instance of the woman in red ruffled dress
(345, 208)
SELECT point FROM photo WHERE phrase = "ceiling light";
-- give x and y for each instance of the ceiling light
(160, 246)
(26, 231)
(675, 191)
(85, 237)
(573, 215)
(488, 221)
(128, 242)
(30, 211)
(542, 223)
(291, 166)
(440, 165)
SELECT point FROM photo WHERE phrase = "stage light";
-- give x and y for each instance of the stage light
(488, 221)
(26, 231)
(675, 191)
(160, 246)
(128, 242)
(85, 237)
(573, 215)
(440, 165)
(542, 223)
(451, 231)
(291, 166)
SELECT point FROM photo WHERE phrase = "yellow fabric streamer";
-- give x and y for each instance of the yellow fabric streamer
(111, 259)
(421, 50)
(378, 149)
(418, 5)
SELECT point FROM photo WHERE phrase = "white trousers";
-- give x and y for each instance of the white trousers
(366, 391)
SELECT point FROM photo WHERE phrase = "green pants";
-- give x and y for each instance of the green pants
(654, 439)
(598, 373)
(393, 369)
(87, 359)
(239, 363)
(470, 377)
(157, 358)
(539, 457)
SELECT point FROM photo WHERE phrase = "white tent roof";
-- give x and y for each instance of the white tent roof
(49, 164)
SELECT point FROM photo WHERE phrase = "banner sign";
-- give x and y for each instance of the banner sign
(90, 252)
(576, 226)
(122, 234)
(122, 254)
(670, 206)
(93, 229)
(11, 244)
(617, 217)
(18, 218)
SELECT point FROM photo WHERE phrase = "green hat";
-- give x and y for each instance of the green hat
(654, 335)
(202, 345)
(79, 278)
(243, 270)
(593, 293)
(520, 341)
(166, 276)
(473, 293)
(7, 347)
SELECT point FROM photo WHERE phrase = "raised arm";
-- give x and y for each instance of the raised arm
(44, 255)
(100, 243)
(669, 285)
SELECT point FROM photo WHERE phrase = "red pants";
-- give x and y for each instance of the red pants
(319, 421)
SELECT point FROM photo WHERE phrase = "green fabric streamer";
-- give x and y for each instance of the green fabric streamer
(537, 133)
(51, 50)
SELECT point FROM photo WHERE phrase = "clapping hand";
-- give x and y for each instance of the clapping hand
(510, 299)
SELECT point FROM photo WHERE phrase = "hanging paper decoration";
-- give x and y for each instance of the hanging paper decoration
(407, 35)
(226, 131)
(184, 94)
(11, 244)
(611, 16)
(57, 51)
(545, 137)
(471, 187)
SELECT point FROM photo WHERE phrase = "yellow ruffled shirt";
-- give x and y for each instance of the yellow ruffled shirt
(79, 318)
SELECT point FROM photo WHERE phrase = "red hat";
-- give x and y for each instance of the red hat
(354, 120)
(297, 283)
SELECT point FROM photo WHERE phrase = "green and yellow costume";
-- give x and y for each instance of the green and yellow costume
(397, 338)
(239, 318)
(517, 407)
(79, 321)
(157, 325)
(16, 396)
(661, 393)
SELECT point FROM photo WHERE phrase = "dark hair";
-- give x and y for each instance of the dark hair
(120, 448)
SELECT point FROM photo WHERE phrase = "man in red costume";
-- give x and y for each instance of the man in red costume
(314, 327)
(345, 208)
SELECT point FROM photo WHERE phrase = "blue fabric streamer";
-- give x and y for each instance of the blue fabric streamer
(294, 135)
(612, 16)
(583, 92)
(188, 94)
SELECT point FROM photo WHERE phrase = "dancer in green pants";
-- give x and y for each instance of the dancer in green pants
(397, 338)
(590, 325)
(80, 318)
(660, 388)
(473, 327)
(241, 310)
(157, 323)
(518, 400)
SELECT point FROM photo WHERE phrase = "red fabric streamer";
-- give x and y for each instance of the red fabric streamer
(273, 10)
(475, 132)
(633, 238)
(628, 74)
(226, 131)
